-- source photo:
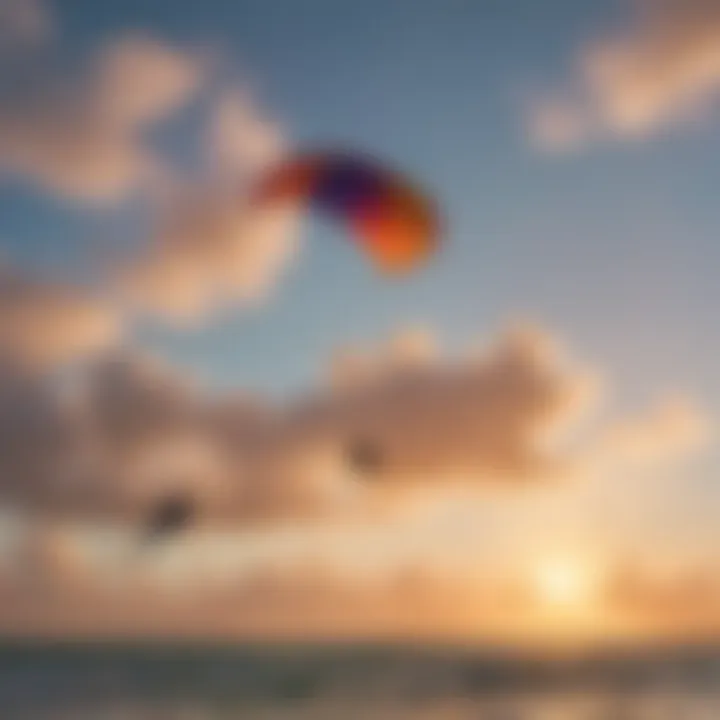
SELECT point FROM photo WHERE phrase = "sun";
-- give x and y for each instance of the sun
(563, 583)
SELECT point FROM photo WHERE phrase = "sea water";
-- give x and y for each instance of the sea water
(151, 682)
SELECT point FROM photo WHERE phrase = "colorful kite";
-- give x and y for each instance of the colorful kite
(395, 222)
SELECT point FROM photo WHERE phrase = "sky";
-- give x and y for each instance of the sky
(572, 148)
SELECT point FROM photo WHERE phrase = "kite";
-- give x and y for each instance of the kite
(394, 221)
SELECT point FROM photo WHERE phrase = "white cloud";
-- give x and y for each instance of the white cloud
(241, 139)
(84, 138)
(671, 430)
(497, 410)
(43, 324)
(210, 246)
(210, 249)
(663, 70)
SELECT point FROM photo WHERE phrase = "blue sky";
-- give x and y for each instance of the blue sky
(612, 247)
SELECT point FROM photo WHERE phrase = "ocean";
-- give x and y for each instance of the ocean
(61, 681)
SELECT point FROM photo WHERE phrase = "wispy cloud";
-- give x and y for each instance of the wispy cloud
(43, 324)
(663, 70)
(55, 590)
(24, 24)
(209, 249)
(241, 138)
(83, 138)
(672, 429)
(683, 603)
(209, 246)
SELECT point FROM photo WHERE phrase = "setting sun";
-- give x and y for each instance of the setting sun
(564, 583)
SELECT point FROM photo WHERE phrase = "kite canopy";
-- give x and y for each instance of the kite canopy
(395, 222)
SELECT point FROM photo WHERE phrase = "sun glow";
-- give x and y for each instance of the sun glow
(564, 583)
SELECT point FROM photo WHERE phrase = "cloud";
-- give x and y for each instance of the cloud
(310, 549)
(210, 247)
(84, 139)
(501, 408)
(305, 599)
(45, 328)
(55, 590)
(556, 125)
(671, 430)
(24, 23)
(122, 434)
(44, 323)
(132, 432)
(680, 603)
(291, 535)
(241, 138)
(663, 70)
(38, 439)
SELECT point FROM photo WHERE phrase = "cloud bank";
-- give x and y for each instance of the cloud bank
(311, 600)
(129, 431)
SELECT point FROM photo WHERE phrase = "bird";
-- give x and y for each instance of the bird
(170, 515)
(365, 457)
